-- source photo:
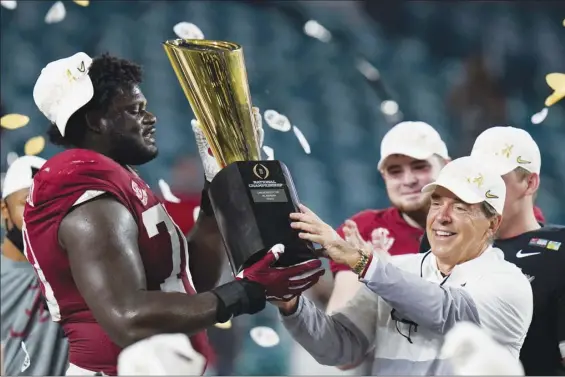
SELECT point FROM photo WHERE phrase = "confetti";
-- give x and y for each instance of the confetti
(556, 81)
(82, 3)
(563, 20)
(537, 118)
(270, 152)
(224, 326)
(11, 157)
(56, 13)
(264, 336)
(187, 30)
(167, 193)
(300, 136)
(277, 121)
(34, 146)
(314, 29)
(9, 4)
(14, 121)
(196, 213)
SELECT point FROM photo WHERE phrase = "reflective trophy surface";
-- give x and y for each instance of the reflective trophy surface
(251, 198)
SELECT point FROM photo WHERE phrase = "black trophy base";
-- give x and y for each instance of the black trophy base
(252, 201)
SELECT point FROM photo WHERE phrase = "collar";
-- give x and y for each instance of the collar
(489, 257)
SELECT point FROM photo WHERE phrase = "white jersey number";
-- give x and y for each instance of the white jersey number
(155, 216)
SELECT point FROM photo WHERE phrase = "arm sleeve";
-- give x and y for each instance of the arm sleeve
(501, 303)
(338, 339)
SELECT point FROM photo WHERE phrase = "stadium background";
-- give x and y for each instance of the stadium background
(460, 66)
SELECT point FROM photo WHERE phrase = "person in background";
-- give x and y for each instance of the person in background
(409, 302)
(33, 344)
(537, 249)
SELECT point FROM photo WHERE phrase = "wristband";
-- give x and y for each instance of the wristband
(239, 297)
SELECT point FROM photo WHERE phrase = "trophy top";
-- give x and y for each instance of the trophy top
(203, 45)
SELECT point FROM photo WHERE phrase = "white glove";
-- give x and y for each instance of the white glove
(211, 167)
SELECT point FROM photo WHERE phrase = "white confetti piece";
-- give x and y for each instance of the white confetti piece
(11, 157)
(270, 152)
(264, 336)
(56, 13)
(537, 118)
(301, 139)
(9, 4)
(187, 30)
(277, 121)
(167, 193)
(196, 213)
(314, 29)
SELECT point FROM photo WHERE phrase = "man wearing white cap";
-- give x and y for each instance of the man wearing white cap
(411, 156)
(33, 345)
(538, 249)
(409, 302)
(113, 264)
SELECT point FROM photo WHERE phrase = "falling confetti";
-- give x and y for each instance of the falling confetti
(556, 81)
(270, 152)
(14, 121)
(563, 20)
(34, 146)
(11, 157)
(264, 336)
(537, 118)
(196, 213)
(300, 136)
(167, 193)
(312, 28)
(187, 30)
(82, 3)
(277, 121)
(56, 13)
(9, 4)
(224, 326)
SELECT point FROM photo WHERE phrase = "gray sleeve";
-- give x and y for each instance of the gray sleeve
(428, 304)
(337, 339)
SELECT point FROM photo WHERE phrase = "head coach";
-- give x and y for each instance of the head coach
(409, 302)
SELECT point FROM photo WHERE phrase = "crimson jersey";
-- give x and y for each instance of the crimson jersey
(70, 179)
(386, 228)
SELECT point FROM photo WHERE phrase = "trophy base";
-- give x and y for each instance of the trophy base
(252, 201)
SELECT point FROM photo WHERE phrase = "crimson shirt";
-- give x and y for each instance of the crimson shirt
(69, 179)
(388, 228)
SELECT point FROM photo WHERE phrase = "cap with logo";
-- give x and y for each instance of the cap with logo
(471, 181)
(63, 87)
(505, 148)
(20, 174)
(418, 140)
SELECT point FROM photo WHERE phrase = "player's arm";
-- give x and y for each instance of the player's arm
(100, 238)
(206, 251)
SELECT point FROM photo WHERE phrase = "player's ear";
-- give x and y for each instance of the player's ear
(96, 122)
(4, 209)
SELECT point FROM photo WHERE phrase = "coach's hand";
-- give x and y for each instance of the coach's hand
(282, 283)
(313, 229)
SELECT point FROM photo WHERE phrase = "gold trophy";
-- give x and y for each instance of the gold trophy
(252, 199)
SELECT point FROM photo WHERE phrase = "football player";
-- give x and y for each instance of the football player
(113, 266)
(33, 345)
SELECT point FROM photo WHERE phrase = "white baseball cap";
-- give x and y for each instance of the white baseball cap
(63, 87)
(418, 140)
(20, 174)
(161, 355)
(505, 148)
(472, 181)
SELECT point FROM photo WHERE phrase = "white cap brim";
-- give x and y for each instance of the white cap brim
(462, 191)
(20, 174)
(81, 95)
(407, 150)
